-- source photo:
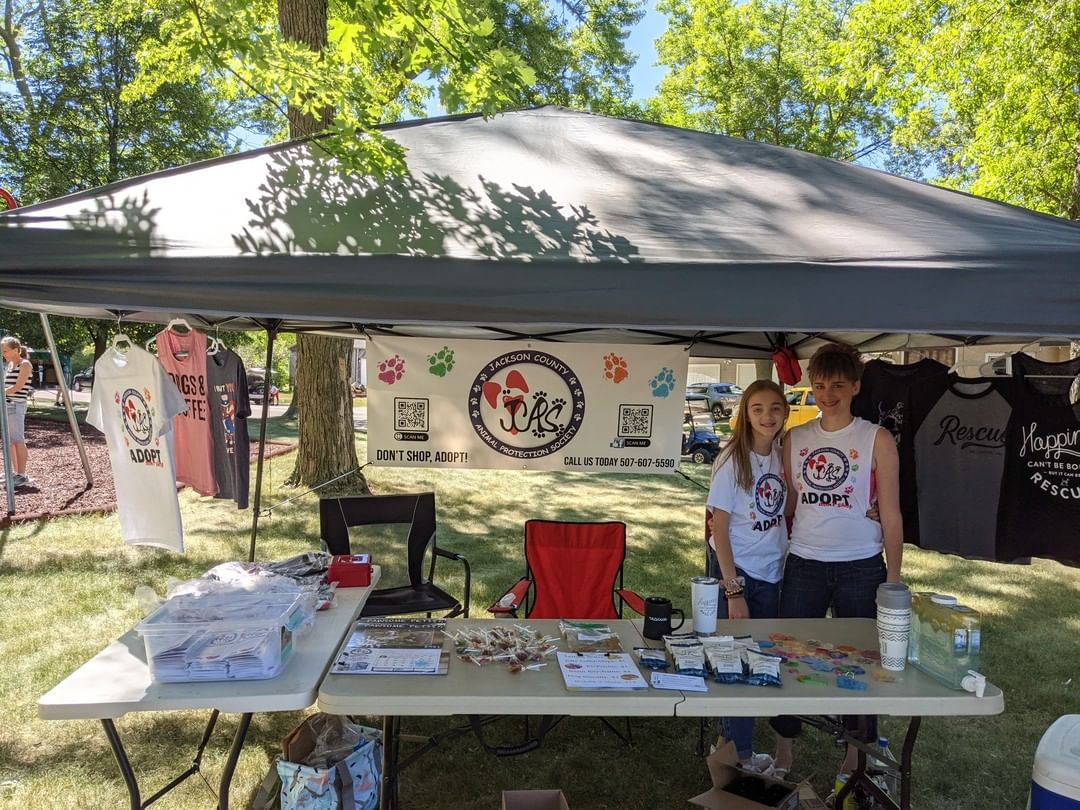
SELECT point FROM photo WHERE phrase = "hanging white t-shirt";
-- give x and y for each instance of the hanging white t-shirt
(830, 471)
(756, 529)
(133, 404)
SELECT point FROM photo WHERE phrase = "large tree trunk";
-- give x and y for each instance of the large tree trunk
(305, 21)
(323, 397)
(327, 445)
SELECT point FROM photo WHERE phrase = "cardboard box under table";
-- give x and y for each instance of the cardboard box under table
(735, 789)
(117, 681)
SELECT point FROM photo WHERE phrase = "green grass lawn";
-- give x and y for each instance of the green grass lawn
(68, 585)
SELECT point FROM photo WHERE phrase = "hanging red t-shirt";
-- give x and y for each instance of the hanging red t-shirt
(184, 357)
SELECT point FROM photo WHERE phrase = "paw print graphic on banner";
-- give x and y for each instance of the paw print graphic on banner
(391, 370)
(663, 383)
(442, 362)
(803, 452)
(615, 368)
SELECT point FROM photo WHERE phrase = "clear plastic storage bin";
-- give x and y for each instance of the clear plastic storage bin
(220, 637)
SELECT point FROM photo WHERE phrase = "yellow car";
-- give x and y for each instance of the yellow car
(803, 408)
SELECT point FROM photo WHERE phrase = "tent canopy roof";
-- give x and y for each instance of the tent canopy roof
(555, 224)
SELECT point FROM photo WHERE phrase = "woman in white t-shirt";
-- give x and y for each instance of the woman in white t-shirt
(749, 534)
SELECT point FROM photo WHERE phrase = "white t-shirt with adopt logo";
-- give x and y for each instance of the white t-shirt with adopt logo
(133, 404)
(756, 529)
(831, 476)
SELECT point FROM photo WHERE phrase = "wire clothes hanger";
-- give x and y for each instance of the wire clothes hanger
(215, 344)
(988, 369)
(170, 326)
(119, 338)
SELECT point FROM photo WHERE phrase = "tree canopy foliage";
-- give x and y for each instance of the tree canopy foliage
(984, 93)
(66, 122)
(765, 70)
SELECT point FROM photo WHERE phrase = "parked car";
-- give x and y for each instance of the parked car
(803, 408)
(84, 380)
(256, 386)
(701, 445)
(359, 389)
(720, 398)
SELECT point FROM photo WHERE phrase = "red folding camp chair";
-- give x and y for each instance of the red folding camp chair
(572, 571)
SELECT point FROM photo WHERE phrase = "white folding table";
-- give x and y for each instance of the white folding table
(117, 681)
(471, 690)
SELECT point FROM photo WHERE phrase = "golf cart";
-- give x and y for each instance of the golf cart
(699, 442)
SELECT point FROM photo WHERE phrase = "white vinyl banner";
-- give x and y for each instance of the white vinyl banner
(525, 405)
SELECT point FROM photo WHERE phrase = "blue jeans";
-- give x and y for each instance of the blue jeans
(763, 602)
(809, 589)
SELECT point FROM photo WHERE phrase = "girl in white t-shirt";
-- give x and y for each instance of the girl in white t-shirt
(749, 533)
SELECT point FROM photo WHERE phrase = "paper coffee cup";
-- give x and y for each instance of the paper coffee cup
(893, 624)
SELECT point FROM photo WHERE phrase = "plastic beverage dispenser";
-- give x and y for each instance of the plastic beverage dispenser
(945, 641)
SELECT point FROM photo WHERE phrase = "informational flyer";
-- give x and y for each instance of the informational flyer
(600, 671)
(525, 405)
(394, 647)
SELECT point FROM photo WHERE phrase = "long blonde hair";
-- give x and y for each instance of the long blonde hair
(13, 343)
(742, 443)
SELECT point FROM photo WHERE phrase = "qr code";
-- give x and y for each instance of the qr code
(410, 414)
(635, 421)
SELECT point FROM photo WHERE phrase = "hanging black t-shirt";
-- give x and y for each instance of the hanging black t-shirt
(1043, 377)
(229, 410)
(1039, 508)
(884, 398)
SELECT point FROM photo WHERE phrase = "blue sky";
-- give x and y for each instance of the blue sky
(645, 75)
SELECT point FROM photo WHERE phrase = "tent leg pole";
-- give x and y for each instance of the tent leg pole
(271, 333)
(66, 395)
(9, 485)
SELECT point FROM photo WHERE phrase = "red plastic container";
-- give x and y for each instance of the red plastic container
(350, 570)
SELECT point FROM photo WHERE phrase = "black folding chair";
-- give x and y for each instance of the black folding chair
(421, 595)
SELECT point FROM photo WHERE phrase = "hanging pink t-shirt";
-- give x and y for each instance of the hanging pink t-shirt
(184, 357)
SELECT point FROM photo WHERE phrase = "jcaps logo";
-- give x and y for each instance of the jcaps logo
(769, 494)
(138, 420)
(825, 469)
(526, 404)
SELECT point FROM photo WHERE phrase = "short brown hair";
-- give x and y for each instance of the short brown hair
(836, 360)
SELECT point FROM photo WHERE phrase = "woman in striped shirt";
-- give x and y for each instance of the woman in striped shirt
(17, 370)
